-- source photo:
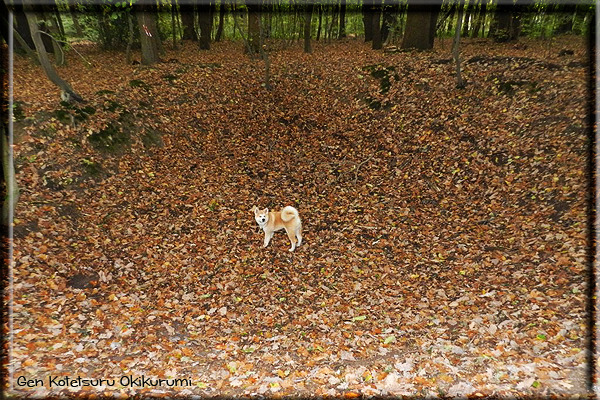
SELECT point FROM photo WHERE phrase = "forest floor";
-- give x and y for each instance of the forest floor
(446, 232)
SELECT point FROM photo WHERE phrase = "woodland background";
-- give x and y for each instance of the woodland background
(440, 158)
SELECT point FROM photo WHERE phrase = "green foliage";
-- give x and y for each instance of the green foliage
(91, 168)
(134, 83)
(18, 112)
(114, 138)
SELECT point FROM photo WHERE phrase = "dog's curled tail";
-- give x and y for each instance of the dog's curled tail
(288, 213)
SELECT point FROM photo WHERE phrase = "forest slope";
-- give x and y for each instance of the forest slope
(446, 240)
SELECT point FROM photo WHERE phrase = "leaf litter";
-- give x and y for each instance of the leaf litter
(446, 232)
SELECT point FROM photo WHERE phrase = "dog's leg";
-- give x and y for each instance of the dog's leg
(299, 235)
(267, 239)
(292, 239)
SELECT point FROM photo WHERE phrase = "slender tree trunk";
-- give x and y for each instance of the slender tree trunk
(59, 55)
(221, 20)
(78, 30)
(104, 30)
(307, 20)
(267, 61)
(456, 50)
(130, 38)
(450, 15)
(11, 192)
(174, 26)
(342, 32)
(320, 11)
(12, 187)
(467, 10)
(480, 19)
(61, 28)
(390, 7)
(44, 61)
(334, 20)
(237, 27)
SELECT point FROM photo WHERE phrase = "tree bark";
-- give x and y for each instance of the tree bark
(254, 10)
(367, 14)
(389, 8)
(130, 38)
(221, 20)
(420, 26)
(173, 26)
(61, 27)
(20, 41)
(187, 21)
(148, 35)
(467, 13)
(59, 55)
(307, 20)
(342, 31)
(455, 48)
(78, 30)
(376, 24)
(507, 24)
(320, 12)
(12, 188)
(480, 19)
(204, 22)
(45, 62)
(22, 26)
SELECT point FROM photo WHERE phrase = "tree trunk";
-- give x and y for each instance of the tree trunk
(204, 22)
(254, 10)
(21, 26)
(320, 11)
(187, 22)
(390, 7)
(334, 21)
(307, 20)
(61, 28)
(221, 20)
(480, 19)
(376, 25)
(367, 14)
(104, 30)
(12, 188)
(420, 26)
(467, 12)
(506, 26)
(174, 26)
(78, 30)
(20, 41)
(59, 55)
(130, 38)
(148, 36)
(45, 62)
(455, 48)
(342, 31)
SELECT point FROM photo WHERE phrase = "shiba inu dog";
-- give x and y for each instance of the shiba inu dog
(287, 219)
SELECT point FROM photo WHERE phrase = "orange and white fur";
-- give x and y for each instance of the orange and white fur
(287, 219)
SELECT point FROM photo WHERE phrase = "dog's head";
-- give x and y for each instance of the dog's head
(261, 216)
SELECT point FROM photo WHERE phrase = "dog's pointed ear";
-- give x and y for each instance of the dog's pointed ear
(266, 210)
(254, 209)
